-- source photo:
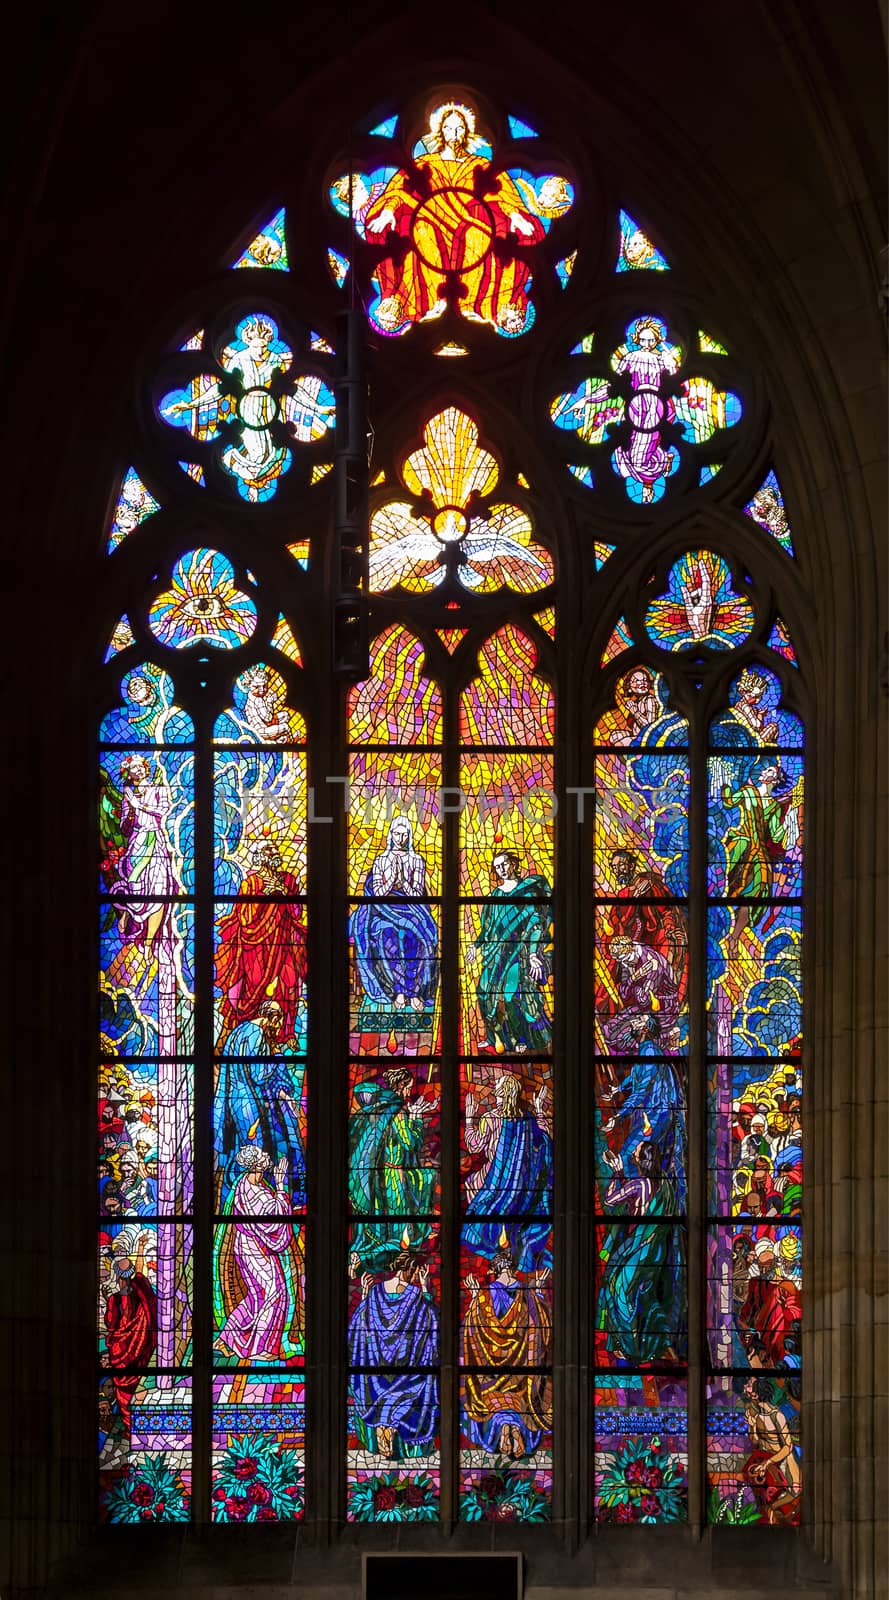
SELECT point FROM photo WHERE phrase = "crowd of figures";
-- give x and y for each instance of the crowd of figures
(506, 1264)
(260, 968)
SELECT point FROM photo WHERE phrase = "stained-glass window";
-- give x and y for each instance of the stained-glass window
(346, 1234)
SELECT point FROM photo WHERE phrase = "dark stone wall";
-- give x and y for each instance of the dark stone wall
(136, 137)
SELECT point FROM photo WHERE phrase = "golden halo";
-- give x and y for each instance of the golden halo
(646, 322)
(436, 117)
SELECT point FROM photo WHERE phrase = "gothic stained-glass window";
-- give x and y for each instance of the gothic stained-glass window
(470, 985)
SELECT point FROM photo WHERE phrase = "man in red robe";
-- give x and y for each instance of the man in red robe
(130, 1326)
(772, 1304)
(262, 945)
(664, 926)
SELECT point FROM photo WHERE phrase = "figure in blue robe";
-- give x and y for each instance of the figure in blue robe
(395, 1413)
(655, 1108)
(394, 932)
(257, 1102)
(514, 1181)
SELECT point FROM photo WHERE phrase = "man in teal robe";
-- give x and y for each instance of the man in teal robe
(390, 1174)
(641, 1280)
(514, 944)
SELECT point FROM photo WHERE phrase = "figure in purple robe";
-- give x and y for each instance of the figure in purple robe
(645, 458)
(394, 933)
(646, 1022)
(257, 1288)
(395, 1413)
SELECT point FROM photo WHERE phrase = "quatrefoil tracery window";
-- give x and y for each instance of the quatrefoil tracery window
(653, 711)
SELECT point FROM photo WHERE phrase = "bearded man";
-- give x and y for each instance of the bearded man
(262, 945)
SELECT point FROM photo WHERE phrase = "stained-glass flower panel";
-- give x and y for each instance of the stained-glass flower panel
(393, 1458)
(258, 1459)
(145, 1437)
(641, 1434)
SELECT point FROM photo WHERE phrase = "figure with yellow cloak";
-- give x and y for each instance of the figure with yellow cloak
(508, 1325)
(454, 226)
